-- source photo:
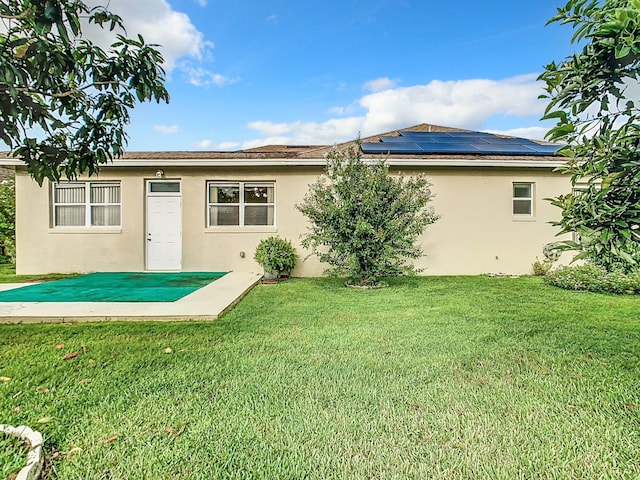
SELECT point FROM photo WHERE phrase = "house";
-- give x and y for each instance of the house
(207, 211)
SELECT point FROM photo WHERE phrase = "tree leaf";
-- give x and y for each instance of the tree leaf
(68, 78)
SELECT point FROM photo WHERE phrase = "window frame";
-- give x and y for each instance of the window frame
(87, 204)
(241, 204)
(530, 198)
(577, 189)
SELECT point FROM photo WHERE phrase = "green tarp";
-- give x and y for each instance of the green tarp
(114, 287)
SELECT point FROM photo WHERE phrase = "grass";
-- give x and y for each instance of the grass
(8, 275)
(13, 455)
(444, 378)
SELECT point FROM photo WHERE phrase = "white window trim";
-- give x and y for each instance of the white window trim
(87, 204)
(241, 205)
(577, 188)
(531, 215)
(164, 194)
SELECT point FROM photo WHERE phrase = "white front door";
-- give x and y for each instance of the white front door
(164, 225)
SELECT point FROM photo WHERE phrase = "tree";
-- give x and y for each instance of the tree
(363, 221)
(7, 220)
(65, 101)
(593, 96)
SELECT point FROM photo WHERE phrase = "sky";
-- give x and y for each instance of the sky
(246, 73)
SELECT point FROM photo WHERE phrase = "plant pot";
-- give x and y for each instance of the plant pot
(271, 275)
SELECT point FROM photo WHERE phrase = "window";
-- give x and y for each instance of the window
(86, 204)
(523, 199)
(579, 189)
(163, 186)
(240, 204)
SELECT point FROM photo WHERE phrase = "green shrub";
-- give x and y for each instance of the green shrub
(364, 221)
(594, 278)
(540, 269)
(275, 255)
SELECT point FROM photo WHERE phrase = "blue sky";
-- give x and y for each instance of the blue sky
(247, 73)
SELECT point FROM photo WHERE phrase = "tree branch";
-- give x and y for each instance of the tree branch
(6, 88)
(22, 16)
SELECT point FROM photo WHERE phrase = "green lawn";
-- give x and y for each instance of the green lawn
(13, 454)
(8, 275)
(446, 378)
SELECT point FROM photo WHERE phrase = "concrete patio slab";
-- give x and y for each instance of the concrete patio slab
(207, 303)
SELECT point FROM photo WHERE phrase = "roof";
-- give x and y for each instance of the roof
(374, 147)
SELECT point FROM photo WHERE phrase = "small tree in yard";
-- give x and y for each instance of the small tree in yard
(593, 95)
(364, 222)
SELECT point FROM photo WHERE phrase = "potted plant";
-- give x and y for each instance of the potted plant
(276, 256)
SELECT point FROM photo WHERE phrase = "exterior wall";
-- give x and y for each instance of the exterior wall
(43, 249)
(476, 233)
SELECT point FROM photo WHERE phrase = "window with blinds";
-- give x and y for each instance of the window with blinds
(86, 204)
(241, 204)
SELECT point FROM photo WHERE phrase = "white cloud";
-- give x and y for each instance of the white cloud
(271, 129)
(227, 145)
(380, 84)
(182, 45)
(272, 18)
(304, 133)
(167, 129)
(199, 76)
(158, 23)
(209, 145)
(463, 104)
(268, 141)
(533, 133)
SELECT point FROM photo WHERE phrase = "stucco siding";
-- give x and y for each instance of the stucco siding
(477, 232)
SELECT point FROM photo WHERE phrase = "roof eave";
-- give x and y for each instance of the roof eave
(320, 162)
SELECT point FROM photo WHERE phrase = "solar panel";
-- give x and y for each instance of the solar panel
(471, 134)
(512, 148)
(548, 149)
(457, 142)
(445, 134)
(389, 139)
(507, 141)
(381, 147)
(407, 133)
(447, 147)
(467, 140)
